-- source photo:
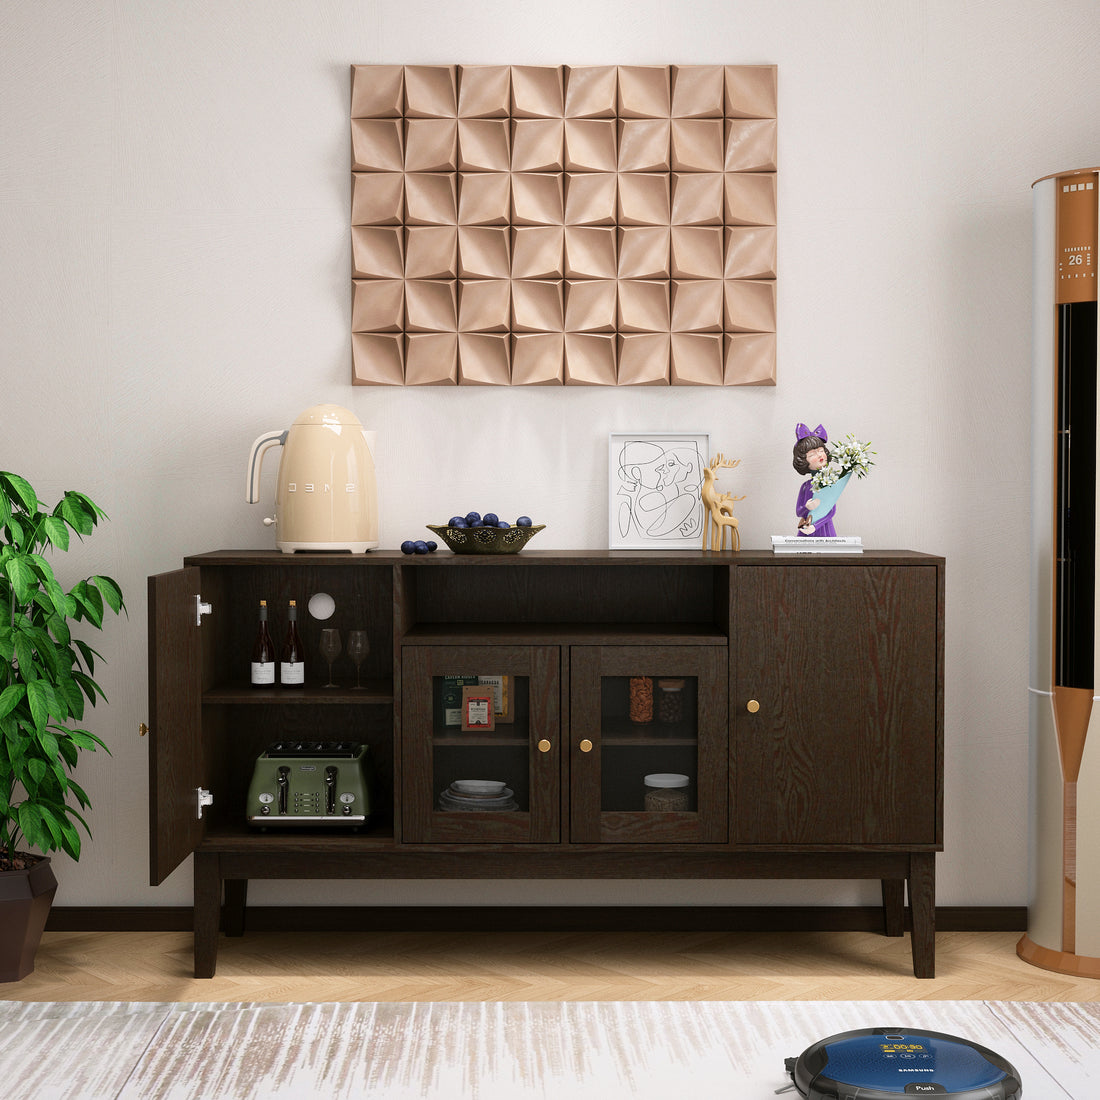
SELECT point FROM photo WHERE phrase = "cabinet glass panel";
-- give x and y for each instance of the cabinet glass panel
(481, 744)
(650, 743)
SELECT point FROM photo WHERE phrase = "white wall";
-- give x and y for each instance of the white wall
(174, 280)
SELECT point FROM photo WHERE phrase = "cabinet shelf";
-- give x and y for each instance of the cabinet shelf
(373, 693)
(493, 739)
(643, 741)
(569, 633)
(300, 838)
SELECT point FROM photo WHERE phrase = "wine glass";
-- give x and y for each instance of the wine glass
(330, 650)
(358, 648)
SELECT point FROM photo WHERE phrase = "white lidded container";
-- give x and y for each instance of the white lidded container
(667, 792)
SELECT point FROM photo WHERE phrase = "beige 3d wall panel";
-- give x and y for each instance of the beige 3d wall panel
(538, 225)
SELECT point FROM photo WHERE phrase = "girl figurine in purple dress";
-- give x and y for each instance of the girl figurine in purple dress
(810, 455)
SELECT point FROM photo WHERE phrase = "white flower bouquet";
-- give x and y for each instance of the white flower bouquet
(849, 456)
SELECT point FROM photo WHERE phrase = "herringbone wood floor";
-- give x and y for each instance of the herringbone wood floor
(537, 966)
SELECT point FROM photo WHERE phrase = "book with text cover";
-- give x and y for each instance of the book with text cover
(809, 544)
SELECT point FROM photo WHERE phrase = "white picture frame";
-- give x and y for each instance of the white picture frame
(654, 481)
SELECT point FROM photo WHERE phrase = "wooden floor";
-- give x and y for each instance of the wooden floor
(565, 966)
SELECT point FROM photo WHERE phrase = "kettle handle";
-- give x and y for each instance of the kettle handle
(255, 461)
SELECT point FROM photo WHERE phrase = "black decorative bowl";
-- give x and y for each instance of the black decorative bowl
(486, 540)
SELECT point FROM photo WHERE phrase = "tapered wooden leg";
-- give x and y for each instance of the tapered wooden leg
(893, 906)
(207, 913)
(236, 895)
(922, 911)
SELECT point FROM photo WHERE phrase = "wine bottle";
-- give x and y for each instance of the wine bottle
(263, 653)
(292, 668)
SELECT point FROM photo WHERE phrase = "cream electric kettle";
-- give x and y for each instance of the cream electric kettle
(327, 494)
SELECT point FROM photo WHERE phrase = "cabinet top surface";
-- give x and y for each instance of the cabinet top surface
(528, 558)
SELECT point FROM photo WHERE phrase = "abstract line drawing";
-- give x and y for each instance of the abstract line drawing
(654, 485)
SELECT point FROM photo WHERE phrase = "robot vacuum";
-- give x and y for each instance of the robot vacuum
(882, 1063)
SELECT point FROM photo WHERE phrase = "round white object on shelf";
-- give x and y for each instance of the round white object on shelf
(321, 605)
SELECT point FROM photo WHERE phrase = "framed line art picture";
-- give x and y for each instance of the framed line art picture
(653, 486)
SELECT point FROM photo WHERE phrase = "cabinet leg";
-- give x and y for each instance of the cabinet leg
(922, 909)
(236, 894)
(207, 913)
(893, 906)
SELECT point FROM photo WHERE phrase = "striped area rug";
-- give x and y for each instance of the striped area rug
(496, 1051)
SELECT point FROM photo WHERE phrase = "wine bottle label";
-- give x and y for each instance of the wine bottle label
(292, 672)
(263, 672)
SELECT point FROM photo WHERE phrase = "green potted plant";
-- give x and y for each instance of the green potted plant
(45, 684)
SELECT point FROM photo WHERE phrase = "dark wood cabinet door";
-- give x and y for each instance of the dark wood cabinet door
(612, 752)
(176, 767)
(835, 704)
(523, 750)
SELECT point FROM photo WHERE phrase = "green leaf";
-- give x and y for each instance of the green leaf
(85, 739)
(29, 817)
(10, 698)
(69, 691)
(90, 601)
(76, 515)
(48, 742)
(70, 753)
(38, 697)
(57, 532)
(24, 654)
(110, 591)
(90, 687)
(22, 576)
(20, 487)
(71, 843)
(80, 793)
(59, 628)
(88, 654)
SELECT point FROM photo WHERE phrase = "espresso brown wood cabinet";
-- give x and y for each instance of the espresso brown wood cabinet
(795, 700)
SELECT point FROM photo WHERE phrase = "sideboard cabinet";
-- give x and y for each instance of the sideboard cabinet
(801, 696)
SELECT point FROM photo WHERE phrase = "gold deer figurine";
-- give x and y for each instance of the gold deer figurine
(719, 507)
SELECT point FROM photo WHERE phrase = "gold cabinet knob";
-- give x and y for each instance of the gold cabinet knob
(586, 745)
(544, 745)
(143, 729)
(752, 706)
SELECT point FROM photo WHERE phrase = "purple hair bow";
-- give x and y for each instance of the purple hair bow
(801, 431)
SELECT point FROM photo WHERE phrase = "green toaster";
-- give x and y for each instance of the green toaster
(310, 783)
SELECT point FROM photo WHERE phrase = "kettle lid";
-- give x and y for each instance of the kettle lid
(329, 415)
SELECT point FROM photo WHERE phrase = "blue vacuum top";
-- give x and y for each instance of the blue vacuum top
(882, 1063)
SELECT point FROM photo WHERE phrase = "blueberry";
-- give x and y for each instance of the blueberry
(420, 547)
(431, 545)
(408, 547)
(490, 519)
(504, 523)
(456, 521)
(473, 519)
(523, 521)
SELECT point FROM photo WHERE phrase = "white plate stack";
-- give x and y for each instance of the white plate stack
(477, 794)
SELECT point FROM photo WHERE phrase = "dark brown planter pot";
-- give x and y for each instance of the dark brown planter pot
(25, 899)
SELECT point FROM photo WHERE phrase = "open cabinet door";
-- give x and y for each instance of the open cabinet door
(176, 767)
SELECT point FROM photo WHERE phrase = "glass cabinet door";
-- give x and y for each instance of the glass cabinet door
(480, 735)
(648, 742)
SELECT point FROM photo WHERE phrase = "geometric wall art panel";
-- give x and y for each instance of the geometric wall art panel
(530, 225)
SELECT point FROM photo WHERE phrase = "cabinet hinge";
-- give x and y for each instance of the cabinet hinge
(201, 609)
(203, 798)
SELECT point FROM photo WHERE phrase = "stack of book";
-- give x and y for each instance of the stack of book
(826, 544)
